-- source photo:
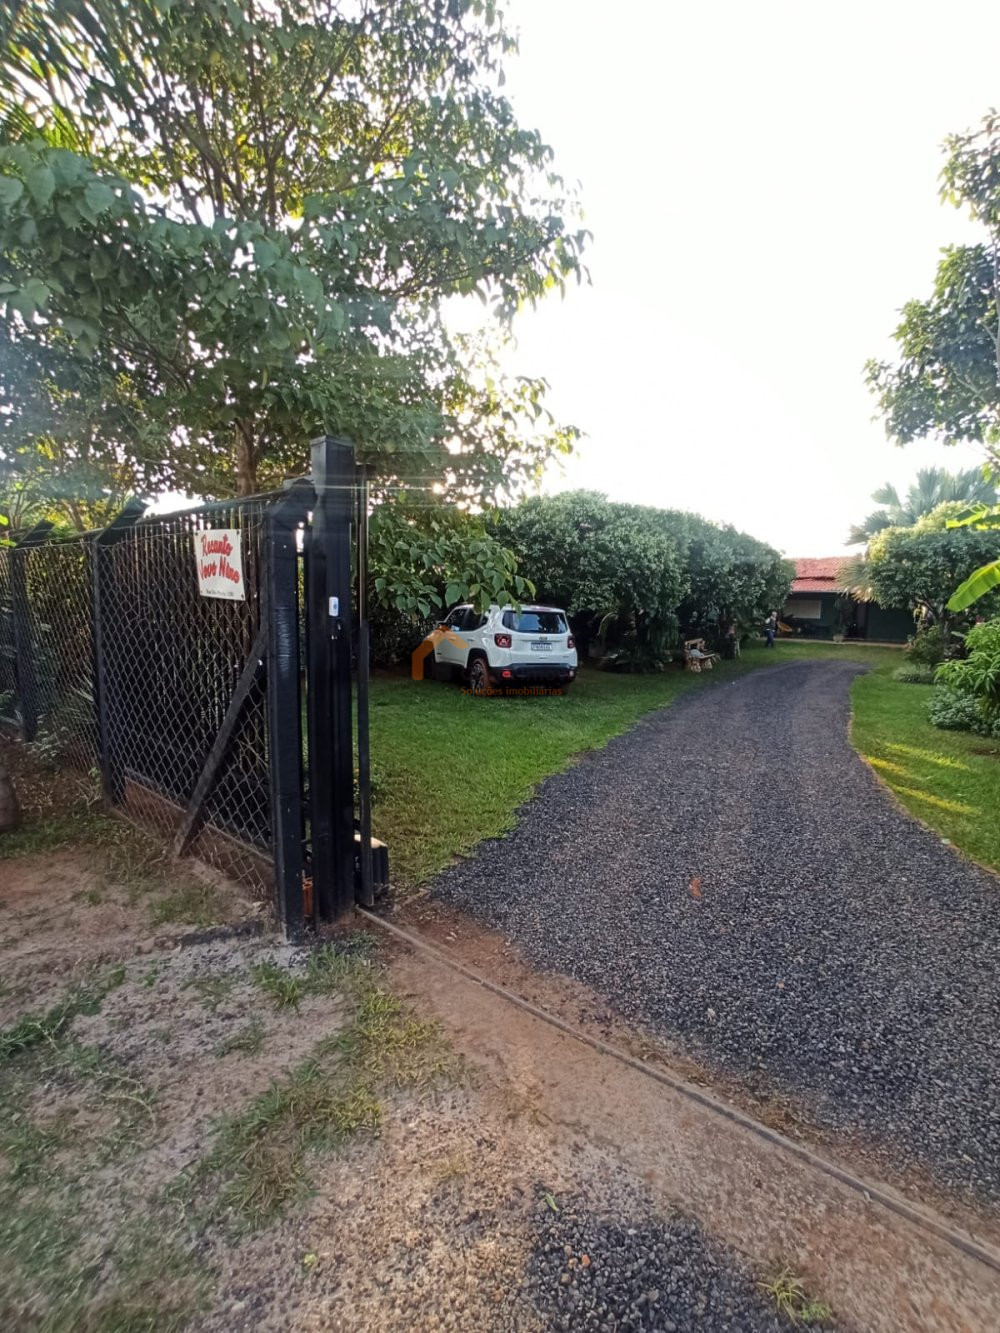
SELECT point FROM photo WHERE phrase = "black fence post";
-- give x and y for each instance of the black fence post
(284, 703)
(367, 893)
(109, 755)
(331, 758)
(24, 641)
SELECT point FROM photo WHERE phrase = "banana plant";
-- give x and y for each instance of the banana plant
(986, 577)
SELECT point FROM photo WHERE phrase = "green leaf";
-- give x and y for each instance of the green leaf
(265, 254)
(978, 584)
(11, 190)
(41, 184)
(982, 518)
(99, 197)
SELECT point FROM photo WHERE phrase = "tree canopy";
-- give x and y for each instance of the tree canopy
(945, 381)
(921, 568)
(618, 577)
(934, 486)
(640, 577)
(225, 227)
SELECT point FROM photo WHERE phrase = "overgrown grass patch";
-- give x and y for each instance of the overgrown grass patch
(330, 968)
(788, 1294)
(67, 1110)
(33, 1029)
(248, 1040)
(213, 988)
(189, 902)
(259, 1163)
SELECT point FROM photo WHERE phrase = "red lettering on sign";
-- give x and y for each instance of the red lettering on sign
(216, 546)
(227, 571)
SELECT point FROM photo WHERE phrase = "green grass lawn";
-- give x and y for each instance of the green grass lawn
(948, 779)
(451, 769)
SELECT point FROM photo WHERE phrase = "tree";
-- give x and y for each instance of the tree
(921, 569)
(425, 558)
(946, 381)
(618, 577)
(245, 220)
(732, 578)
(639, 577)
(933, 487)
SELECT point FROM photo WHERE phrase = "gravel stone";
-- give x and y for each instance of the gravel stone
(732, 875)
(643, 1273)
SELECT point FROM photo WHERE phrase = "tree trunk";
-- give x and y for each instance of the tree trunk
(246, 459)
(10, 811)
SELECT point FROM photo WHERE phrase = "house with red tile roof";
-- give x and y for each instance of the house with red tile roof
(819, 606)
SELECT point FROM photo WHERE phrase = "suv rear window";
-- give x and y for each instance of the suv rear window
(535, 622)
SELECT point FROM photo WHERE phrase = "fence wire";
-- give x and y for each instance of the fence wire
(8, 651)
(47, 648)
(57, 583)
(144, 697)
(171, 662)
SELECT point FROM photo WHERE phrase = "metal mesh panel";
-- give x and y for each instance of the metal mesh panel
(60, 684)
(171, 662)
(8, 677)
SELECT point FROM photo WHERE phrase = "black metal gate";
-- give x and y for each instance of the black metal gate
(222, 722)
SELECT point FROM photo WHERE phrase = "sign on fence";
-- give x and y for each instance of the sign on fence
(219, 558)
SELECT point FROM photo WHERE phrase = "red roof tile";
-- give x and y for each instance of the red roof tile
(818, 575)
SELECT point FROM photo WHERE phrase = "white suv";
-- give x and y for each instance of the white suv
(504, 648)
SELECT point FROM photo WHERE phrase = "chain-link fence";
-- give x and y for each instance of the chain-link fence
(135, 654)
(170, 663)
(114, 663)
(47, 647)
(8, 652)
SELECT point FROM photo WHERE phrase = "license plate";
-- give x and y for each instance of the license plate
(541, 646)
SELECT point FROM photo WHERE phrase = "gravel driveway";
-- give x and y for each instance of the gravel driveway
(731, 874)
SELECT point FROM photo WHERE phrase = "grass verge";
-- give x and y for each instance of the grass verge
(258, 1164)
(96, 1230)
(67, 1111)
(61, 812)
(948, 779)
(454, 768)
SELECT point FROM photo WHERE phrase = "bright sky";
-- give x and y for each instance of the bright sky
(761, 180)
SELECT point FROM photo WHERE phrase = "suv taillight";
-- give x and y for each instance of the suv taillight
(571, 642)
(502, 640)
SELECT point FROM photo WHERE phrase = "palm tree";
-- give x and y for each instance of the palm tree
(933, 486)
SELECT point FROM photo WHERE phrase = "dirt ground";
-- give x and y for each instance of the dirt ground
(203, 1128)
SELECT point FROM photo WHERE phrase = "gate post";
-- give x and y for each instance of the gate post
(284, 702)
(367, 893)
(112, 774)
(331, 741)
(24, 647)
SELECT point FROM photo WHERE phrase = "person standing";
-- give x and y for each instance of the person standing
(771, 629)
